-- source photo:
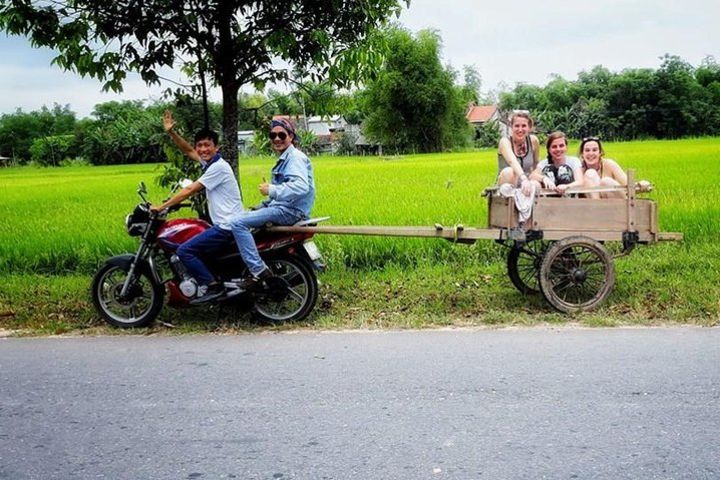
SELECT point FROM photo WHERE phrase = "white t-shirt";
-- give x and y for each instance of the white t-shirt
(223, 193)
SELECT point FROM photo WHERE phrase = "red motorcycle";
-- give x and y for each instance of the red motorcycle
(129, 289)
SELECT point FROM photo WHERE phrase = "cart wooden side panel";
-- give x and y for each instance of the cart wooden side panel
(502, 212)
(559, 217)
(591, 215)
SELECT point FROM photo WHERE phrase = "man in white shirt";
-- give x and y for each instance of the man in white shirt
(223, 195)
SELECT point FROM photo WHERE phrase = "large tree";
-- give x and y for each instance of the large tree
(234, 42)
(19, 130)
(673, 101)
(414, 105)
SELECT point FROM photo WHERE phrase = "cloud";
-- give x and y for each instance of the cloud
(525, 41)
(520, 41)
(30, 81)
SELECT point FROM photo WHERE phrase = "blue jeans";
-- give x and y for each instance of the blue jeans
(245, 221)
(207, 243)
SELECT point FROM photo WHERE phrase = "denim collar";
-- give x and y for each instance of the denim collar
(284, 155)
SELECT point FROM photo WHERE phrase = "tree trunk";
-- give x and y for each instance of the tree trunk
(230, 122)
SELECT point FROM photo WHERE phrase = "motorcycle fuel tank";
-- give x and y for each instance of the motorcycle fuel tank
(180, 230)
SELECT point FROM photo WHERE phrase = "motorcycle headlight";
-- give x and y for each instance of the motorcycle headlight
(137, 222)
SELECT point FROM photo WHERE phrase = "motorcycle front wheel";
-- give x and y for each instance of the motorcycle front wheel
(291, 293)
(138, 308)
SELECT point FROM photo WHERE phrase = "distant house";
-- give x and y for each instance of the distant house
(479, 115)
(4, 161)
(362, 145)
(327, 130)
(245, 140)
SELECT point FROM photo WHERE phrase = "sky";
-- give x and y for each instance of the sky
(507, 42)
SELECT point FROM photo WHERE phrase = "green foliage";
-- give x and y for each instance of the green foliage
(320, 99)
(346, 143)
(19, 130)
(673, 101)
(253, 109)
(284, 104)
(52, 151)
(261, 143)
(488, 134)
(189, 117)
(123, 132)
(472, 84)
(308, 141)
(235, 42)
(413, 105)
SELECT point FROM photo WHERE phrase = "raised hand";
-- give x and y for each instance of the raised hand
(168, 121)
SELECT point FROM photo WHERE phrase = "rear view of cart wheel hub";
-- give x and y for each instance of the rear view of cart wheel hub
(576, 274)
(579, 276)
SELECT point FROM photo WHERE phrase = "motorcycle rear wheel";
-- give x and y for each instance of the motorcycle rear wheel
(291, 293)
(139, 308)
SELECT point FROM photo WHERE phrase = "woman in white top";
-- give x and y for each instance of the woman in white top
(518, 155)
(558, 171)
(599, 171)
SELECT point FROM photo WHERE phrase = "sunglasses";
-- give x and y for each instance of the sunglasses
(280, 135)
(591, 139)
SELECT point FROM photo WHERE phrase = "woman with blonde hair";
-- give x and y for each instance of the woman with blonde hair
(518, 154)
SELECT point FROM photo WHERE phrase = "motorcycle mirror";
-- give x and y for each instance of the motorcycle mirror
(142, 190)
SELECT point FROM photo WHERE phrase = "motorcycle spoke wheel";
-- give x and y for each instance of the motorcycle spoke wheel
(291, 294)
(296, 295)
(137, 308)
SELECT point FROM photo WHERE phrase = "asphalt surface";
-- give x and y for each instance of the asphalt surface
(457, 404)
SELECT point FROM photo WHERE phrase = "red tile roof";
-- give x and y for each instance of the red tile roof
(480, 113)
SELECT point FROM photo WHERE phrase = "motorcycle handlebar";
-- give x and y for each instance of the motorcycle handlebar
(177, 207)
(142, 191)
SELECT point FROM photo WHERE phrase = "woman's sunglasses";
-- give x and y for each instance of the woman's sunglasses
(280, 135)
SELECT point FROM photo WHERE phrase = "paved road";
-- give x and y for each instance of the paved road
(531, 403)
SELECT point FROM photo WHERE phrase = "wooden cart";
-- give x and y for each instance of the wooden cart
(559, 251)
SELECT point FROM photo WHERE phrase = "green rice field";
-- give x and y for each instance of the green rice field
(57, 225)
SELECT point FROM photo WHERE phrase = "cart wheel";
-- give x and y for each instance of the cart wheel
(523, 265)
(576, 274)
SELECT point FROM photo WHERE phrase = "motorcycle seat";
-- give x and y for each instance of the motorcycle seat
(310, 222)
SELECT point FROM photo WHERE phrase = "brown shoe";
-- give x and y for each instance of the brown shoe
(252, 282)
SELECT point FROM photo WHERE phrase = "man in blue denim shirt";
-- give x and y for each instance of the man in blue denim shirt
(291, 194)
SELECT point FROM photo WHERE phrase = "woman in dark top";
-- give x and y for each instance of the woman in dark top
(558, 171)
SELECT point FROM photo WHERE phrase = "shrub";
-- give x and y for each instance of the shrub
(487, 135)
(260, 144)
(346, 143)
(308, 142)
(51, 151)
(124, 132)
